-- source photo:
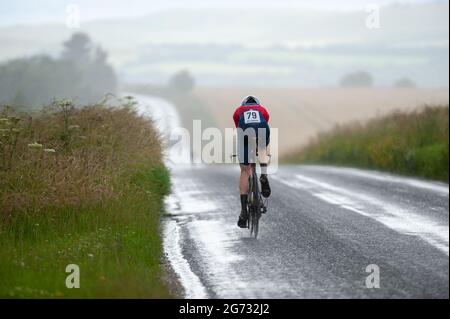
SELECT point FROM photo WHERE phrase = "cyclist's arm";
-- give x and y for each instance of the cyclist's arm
(265, 113)
(236, 116)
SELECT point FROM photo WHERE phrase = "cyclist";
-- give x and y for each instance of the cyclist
(251, 115)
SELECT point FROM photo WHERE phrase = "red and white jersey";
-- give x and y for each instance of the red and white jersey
(244, 108)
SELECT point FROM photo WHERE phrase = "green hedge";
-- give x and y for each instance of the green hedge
(414, 143)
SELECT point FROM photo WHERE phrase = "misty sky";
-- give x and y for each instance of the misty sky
(221, 42)
(23, 12)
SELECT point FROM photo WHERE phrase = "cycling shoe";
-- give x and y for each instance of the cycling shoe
(243, 218)
(265, 187)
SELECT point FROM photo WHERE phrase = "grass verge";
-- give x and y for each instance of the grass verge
(85, 187)
(410, 143)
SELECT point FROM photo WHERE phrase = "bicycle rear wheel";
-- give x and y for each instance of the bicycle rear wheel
(255, 213)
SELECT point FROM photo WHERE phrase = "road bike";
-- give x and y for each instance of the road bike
(256, 204)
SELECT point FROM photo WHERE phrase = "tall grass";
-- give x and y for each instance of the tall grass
(412, 143)
(80, 186)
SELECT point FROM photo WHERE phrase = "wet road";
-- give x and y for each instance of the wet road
(323, 228)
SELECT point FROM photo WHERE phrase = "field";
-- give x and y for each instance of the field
(300, 114)
(411, 143)
(84, 187)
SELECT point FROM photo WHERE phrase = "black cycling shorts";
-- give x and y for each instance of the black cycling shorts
(247, 149)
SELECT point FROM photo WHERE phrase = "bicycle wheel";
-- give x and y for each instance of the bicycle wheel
(250, 205)
(256, 212)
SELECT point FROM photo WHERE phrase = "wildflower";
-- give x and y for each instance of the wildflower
(65, 103)
(50, 150)
(91, 255)
(35, 145)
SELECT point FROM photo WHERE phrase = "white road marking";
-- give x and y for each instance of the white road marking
(401, 219)
(440, 188)
(189, 280)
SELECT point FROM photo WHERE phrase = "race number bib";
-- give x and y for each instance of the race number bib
(252, 117)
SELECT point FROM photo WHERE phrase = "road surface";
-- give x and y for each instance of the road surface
(324, 227)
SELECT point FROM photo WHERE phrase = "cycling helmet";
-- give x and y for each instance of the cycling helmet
(250, 100)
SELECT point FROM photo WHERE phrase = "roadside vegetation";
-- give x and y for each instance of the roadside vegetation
(411, 143)
(80, 186)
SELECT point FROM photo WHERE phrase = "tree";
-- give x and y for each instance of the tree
(81, 73)
(405, 83)
(182, 82)
(359, 79)
(101, 56)
(100, 76)
(96, 77)
(77, 48)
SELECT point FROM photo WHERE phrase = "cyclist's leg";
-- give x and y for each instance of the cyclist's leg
(246, 171)
(243, 181)
(263, 141)
(243, 189)
(263, 151)
(263, 156)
